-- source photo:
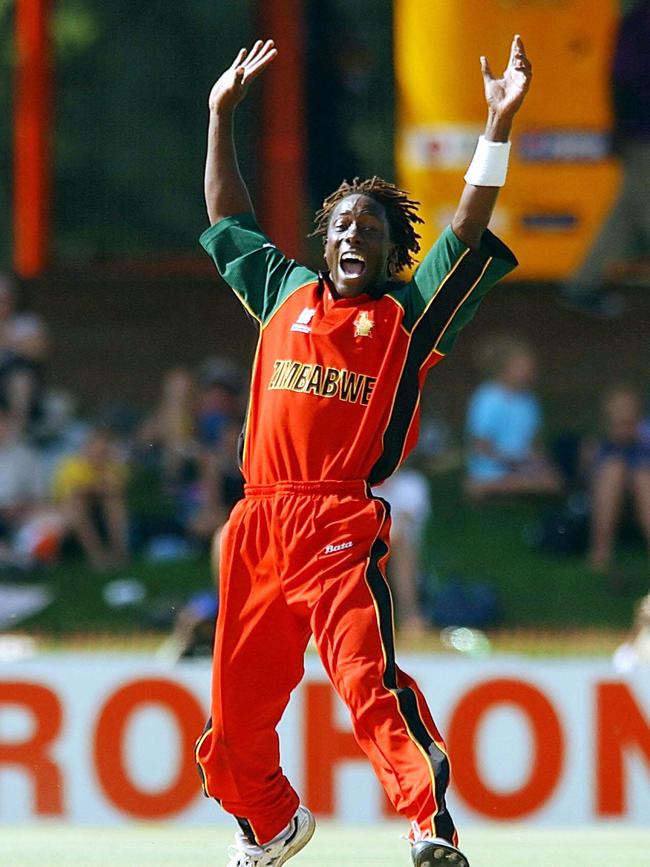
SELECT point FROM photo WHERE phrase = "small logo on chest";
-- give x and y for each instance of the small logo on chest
(302, 322)
(363, 325)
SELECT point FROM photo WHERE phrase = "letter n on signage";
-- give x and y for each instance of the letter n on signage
(621, 727)
(33, 753)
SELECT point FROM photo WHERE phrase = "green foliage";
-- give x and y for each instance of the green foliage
(536, 589)
(131, 83)
(131, 87)
(131, 122)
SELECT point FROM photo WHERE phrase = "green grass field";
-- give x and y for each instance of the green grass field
(374, 846)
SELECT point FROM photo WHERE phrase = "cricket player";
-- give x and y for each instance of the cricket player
(334, 405)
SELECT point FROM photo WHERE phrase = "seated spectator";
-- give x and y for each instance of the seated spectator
(219, 486)
(90, 486)
(23, 349)
(169, 431)
(219, 399)
(60, 432)
(620, 468)
(410, 506)
(504, 420)
(22, 486)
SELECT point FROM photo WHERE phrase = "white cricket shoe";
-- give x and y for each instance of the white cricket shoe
(300, 831)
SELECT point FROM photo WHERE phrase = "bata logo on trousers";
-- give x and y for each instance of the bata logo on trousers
(332, 549)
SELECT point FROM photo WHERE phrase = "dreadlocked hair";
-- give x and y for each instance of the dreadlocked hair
(401, 213)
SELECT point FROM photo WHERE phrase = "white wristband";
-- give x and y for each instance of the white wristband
(489, 165)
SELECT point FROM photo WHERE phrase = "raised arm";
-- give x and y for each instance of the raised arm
(504, 97)
(225, 190)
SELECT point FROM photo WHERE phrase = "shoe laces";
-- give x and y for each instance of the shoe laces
(243, 853)
(416, 834)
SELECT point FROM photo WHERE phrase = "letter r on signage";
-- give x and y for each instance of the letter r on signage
(33, 754)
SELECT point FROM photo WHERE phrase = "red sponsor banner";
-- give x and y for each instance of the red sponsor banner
(100, 740)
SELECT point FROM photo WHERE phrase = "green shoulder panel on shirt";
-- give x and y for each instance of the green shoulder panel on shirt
(260, 275)
(447, 287)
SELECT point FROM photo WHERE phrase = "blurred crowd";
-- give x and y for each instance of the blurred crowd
(606, 471)
(64, 479)
(591, 489)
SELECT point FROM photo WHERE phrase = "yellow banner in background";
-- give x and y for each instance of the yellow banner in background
(562, 180)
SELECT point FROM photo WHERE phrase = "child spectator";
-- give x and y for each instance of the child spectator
(503, 426)
(621, 467)
(24, 346)
(90, 486)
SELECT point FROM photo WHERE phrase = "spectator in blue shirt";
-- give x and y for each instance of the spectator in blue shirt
(620, 471)
(504, 419)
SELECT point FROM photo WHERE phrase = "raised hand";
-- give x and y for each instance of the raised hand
(232, 85)
(505, 95)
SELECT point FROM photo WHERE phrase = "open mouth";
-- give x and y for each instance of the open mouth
(351, 265)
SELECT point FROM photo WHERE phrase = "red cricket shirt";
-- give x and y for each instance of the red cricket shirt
(336, 382)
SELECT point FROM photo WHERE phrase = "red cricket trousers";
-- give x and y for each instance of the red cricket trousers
(302, 558)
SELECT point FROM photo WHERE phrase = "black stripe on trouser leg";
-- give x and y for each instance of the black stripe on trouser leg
(247, 830)
(244, 824)
(443, 825)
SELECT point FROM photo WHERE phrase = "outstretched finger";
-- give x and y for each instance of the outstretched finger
(239, 59)
(517, 50)
(255, 51)
(520, 43)
(259, 55)
(264, 51)
(485, 69)
(261, 63)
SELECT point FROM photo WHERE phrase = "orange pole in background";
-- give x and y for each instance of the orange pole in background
(32, 137)
(282, 128)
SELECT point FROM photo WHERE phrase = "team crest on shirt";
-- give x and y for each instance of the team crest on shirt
(363, 325)
(302, 322)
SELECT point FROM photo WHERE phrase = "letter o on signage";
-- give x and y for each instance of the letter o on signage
(109, 752)
(548, 748)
